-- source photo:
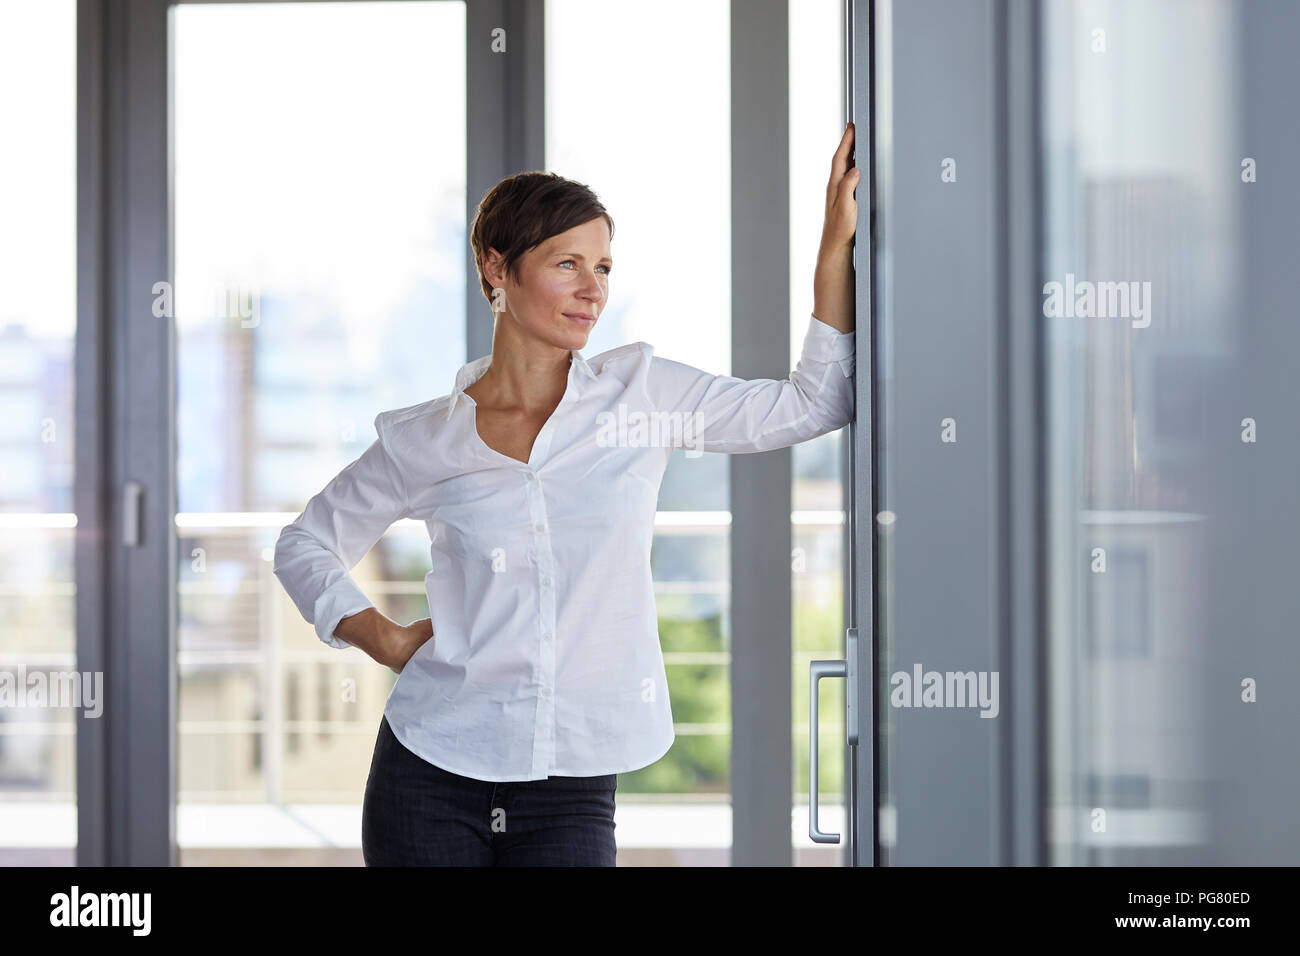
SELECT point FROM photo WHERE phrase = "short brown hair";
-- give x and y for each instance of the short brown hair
(523, 211)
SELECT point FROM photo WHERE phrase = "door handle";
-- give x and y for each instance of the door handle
(848, 669)
(132, 493)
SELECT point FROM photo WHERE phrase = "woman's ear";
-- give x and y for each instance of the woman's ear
(492, 268)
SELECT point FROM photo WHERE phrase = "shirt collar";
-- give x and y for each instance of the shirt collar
(579, 374)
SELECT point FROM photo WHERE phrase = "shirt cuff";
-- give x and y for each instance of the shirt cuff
(341, 599)
(829, 344)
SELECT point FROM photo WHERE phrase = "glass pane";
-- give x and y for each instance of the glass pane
(591, 117)
(817, 561)
(38, 318)
(1141, 194)
(320, 249)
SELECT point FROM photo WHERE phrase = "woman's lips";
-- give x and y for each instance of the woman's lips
(586, 321)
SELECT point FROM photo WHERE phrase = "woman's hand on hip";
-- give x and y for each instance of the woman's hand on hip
(403, 642)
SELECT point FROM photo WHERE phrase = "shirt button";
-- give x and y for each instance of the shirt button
(546, 582)
(546, 692)
(546, 636)
(539, 527)
(530, 476)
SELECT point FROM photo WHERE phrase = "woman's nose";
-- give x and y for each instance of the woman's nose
(595, 286)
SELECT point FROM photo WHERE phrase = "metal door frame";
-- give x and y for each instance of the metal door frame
(1000, 791)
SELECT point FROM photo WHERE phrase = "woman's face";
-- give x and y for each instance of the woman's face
(563, 285)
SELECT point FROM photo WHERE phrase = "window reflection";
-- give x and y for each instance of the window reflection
(1133, 195)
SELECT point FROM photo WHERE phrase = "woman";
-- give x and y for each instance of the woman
(539, 676)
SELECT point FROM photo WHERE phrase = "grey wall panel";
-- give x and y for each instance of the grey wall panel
(761, 745)
(1254, 748)
(941, 257)
(126, 762)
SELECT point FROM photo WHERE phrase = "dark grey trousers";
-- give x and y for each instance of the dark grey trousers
(417, 814)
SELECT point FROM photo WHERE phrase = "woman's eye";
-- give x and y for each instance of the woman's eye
(574, 262)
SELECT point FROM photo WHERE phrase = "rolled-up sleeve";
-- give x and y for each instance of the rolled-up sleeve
(340, 524)
(737, 416)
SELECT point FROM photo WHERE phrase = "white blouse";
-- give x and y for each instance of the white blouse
(545, 656)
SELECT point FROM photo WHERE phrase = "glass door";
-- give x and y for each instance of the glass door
(319, 201)
(1084, 452)
(41, 689)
